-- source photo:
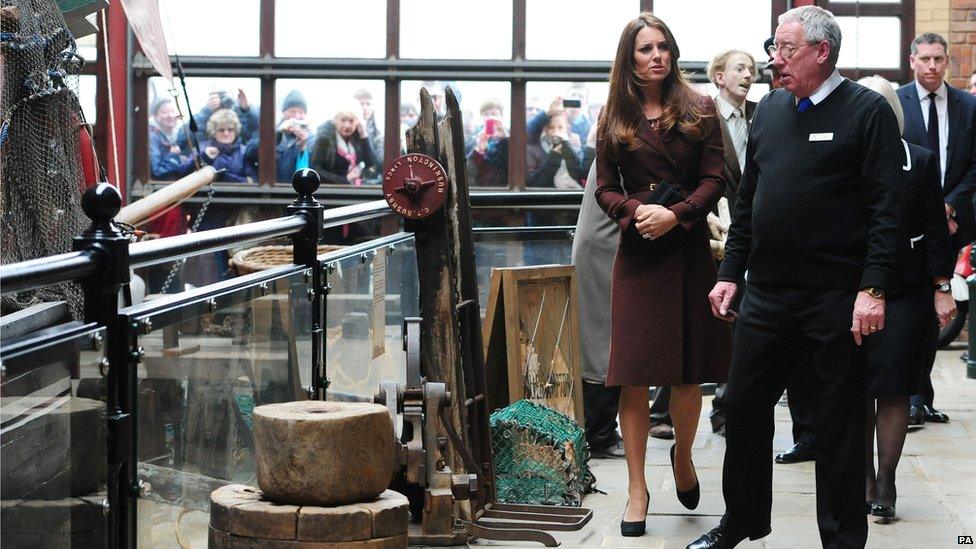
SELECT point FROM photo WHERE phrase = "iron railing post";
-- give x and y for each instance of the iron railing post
(101, 296)
(305, 252)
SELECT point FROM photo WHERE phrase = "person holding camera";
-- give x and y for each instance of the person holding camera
(224, 149)
(218, 99)
(555, 161)
(659, 172)
(293, 139)
(487, 163)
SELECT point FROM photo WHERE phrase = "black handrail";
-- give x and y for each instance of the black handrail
(151, 252)
(343, 215)
(37, 273)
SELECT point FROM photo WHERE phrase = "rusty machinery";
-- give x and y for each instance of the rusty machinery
(446, 458)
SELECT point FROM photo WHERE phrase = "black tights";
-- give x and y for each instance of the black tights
(891, 421)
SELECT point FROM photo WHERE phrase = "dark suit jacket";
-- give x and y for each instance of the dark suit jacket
(731, 169)
(960, 174)
(931, 256)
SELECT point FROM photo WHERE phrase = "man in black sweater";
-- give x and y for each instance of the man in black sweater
(817, 226)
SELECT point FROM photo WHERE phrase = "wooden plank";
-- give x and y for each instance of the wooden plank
(496, 359)
(33, 318)
(542, 337)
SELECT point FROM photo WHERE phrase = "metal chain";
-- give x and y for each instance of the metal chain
(178, 265)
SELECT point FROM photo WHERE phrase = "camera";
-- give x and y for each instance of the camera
(226, 102)
(572, 103)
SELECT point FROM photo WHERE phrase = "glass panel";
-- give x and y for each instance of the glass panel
(331, 106)
(448, 29)
(560, 149)
(53, 442)
(200, 379)
(518, 248)
(548, 24)
(742, 25)
(870, 42)
(353, 366)
(358, 29)
(484, 106)
(86, 96)
(215, 27)
(87, 47)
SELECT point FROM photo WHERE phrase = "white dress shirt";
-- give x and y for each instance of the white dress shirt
(942, 109)
(829, 85)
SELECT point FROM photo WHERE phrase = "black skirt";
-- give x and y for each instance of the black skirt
(897, 353)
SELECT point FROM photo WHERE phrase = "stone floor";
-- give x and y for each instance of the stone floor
(936, 485)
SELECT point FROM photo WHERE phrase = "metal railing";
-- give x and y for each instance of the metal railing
(295, 314)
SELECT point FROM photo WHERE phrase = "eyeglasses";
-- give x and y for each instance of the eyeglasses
(786, 50)
(225, 130)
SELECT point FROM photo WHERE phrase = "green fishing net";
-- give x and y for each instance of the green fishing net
(541, 456)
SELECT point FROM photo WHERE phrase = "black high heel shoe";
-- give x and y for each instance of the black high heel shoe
(688, 498)
(634, 528)
(886, 512)
(883, 511)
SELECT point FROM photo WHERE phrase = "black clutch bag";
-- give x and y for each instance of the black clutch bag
(663, 194)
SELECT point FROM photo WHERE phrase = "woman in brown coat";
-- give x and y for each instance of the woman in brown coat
(658, 129)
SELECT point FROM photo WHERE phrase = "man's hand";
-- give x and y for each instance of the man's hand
(242, 100)
(654, 220)
(945, 308)
(953, 225)
(868, 317)
(721, 298)
(556, 107)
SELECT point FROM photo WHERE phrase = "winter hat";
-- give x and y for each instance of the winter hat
(159, 102)
(294, 99)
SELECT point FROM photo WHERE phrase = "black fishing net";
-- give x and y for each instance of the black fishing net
(41, 178)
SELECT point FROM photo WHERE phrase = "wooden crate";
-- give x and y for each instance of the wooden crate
(531, 339)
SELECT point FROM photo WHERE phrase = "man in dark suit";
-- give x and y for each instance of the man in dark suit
(942, 119)
(732, 72)
(817, 224)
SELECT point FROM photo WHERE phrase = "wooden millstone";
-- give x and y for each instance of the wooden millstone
(323, 453)
(241, 517)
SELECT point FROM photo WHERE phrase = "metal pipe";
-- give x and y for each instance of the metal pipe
(335, 217)
(37, 273)
(151, 252)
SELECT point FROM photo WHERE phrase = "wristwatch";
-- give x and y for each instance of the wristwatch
(874, 292)
(943, 287)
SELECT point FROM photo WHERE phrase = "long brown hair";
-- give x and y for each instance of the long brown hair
(683, 108)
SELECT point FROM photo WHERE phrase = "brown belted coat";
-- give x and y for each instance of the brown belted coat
(662, 328)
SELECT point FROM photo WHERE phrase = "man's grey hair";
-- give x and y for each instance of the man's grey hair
(818, 25)
(929, 38)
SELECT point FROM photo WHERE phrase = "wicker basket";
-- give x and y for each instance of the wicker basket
(261, 258)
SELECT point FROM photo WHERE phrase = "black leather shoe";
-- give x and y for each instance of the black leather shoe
(636, 528)
(801, 451)
(934, 416)
(615, 451)
(688, 498)
(722, 537)
(916, 417)
(886, 512)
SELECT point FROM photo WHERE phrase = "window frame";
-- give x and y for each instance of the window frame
(393, 69)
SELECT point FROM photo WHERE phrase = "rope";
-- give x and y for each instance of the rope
(111, 99)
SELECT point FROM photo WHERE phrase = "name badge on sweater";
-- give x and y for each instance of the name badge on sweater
(821, 137)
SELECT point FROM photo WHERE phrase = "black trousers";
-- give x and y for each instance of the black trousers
(775, 326)
(800, 398)
(600, 405)
(661, 407)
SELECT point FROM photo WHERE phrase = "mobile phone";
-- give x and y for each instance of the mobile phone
(572, 103)
(490, 127)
